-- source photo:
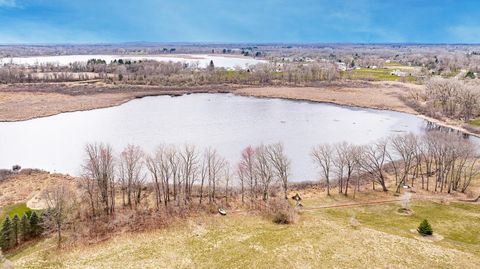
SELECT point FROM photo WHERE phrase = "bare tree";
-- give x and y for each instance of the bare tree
(346, 160)
(323, 157)
(281, 165)
(215, 164)
(98, 177)
(60, 200)
(404, 147)
(189, 166)
(246, 168)
(264, 170)
(372, 159)
(131, 174)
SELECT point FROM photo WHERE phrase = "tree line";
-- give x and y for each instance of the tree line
(449, 98)
(178, 176)
(439, 161)
(149, 72)
(17, 230)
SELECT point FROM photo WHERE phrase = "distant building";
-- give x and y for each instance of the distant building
(398, 73)
(341, 66)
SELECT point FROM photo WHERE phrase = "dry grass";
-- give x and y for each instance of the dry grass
(378, 95)
(27, 101)
(322, 237)
(26, 105)
(20, 188)
(319, 239)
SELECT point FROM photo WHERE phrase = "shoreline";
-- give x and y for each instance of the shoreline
(102, 100)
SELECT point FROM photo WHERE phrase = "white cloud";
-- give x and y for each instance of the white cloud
(8, 3)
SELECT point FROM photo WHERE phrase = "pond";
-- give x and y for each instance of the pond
(226, 122)
(202, 59)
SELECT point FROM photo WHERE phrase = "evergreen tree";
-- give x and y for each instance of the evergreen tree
(25, 228)
(15, 228)
(6, 234)
(425, 228)
(470, 74)
(211, 66)
(35, 228)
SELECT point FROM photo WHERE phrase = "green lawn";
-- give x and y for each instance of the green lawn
(475, 122)
(458, 223)
(375, 74)
(12, 210)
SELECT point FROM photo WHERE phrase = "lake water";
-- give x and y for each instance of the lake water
(224, 121)
(202, 59)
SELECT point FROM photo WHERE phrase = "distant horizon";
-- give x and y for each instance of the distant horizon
(235, 43)
(248, 21)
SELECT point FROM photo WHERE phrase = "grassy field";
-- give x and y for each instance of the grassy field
(375, 74)
(319, 238)
(12, 210)
(457, 223)
(475, 122)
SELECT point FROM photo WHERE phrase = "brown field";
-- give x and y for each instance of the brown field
(377, 95)
(22, 187)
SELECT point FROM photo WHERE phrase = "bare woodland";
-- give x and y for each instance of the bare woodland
(438, 161)
(172, 181)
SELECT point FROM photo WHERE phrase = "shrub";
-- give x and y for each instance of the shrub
(281, 218)
(280, 211)
(424, 228)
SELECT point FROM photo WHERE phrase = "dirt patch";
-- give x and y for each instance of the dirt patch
(404, 212)
(21, 188)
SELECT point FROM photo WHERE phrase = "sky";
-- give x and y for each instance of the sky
(256, 21)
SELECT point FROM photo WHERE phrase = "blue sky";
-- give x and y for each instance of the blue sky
(289, 21)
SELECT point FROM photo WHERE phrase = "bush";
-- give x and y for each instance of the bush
(280, 211)
(281, 218)
(425, 228)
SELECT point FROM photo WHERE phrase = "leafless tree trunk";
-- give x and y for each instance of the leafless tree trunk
(280, 164)
(131, 173)
(264, 170)
(98, 175)
(61, 201)
(372, 159)
(323, 156)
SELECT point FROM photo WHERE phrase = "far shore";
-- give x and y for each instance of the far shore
(29, 101)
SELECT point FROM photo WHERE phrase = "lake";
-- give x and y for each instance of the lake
(202, 59)
(226, 122)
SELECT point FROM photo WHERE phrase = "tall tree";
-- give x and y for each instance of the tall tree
(6, 234)
(323, 156)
